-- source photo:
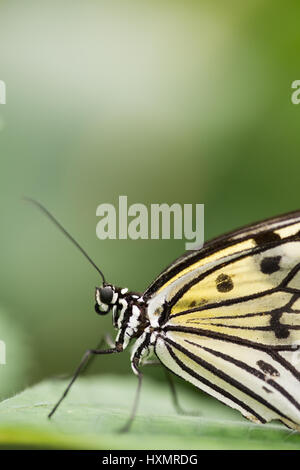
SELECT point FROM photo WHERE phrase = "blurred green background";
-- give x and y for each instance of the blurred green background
(166, 101)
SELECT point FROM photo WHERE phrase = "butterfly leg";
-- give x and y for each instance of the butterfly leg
(82, 364)
(172, 387)
(141, 351)
(138, 391)
(135, 403)
(175, 400)
(106, 340)
(174, 393)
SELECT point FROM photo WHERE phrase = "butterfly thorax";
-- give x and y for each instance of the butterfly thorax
(129, 309)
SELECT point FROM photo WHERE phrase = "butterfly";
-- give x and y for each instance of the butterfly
(225, 318)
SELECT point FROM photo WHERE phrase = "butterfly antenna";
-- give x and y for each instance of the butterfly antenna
(64, 231)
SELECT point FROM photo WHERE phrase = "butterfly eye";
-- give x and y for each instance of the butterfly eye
(106, 295)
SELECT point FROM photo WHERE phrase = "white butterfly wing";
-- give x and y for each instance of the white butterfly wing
(230, 324)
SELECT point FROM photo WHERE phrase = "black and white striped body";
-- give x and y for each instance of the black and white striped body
(130, 318)
(128, 314)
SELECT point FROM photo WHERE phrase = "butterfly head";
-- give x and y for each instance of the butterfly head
(128, 310)
(106, 297)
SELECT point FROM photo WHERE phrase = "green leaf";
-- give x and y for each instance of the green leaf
(97, 407)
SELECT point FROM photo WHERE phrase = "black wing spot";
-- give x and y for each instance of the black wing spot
(266, 237)
(268, 368)
(280, 330)
(270, 264)
(224, 283)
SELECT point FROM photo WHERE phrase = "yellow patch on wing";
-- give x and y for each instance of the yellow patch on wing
(245, 245)
(242, 278)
